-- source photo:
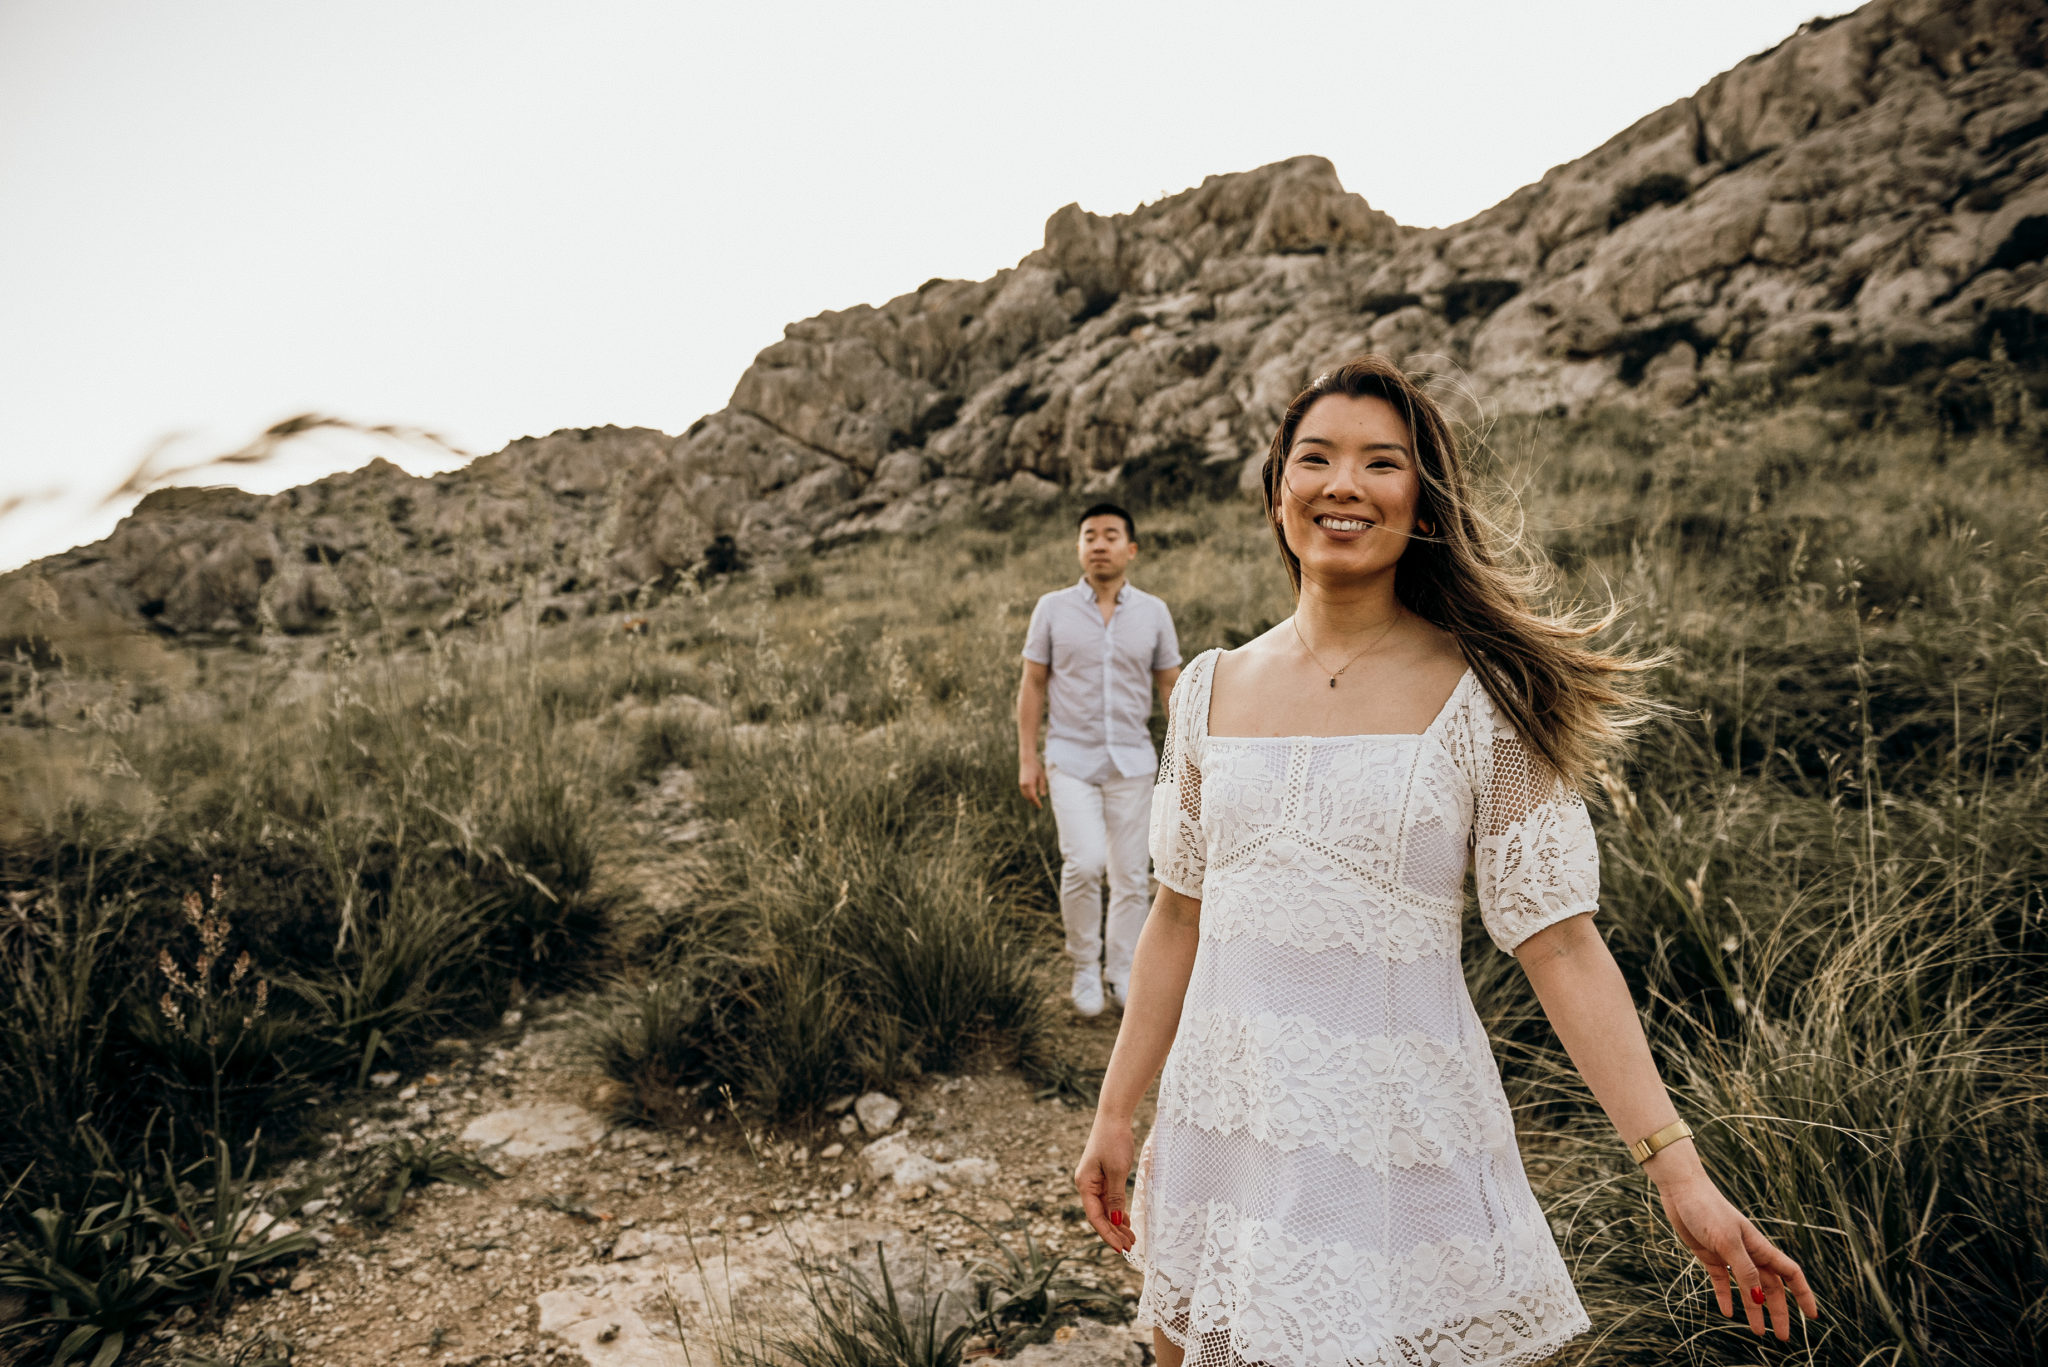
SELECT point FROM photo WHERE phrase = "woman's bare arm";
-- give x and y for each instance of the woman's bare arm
(1159, 982)
(1588, 1003)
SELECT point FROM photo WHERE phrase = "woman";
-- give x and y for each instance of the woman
(1331, 1177)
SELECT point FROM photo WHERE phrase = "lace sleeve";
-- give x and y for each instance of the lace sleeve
(1179, 850)
(1534, 856)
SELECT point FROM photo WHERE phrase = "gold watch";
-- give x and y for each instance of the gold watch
(1643, 1150)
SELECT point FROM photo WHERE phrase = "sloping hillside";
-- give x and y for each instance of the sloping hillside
(1869, 195)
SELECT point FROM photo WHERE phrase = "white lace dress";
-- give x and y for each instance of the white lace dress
(1332, 1178)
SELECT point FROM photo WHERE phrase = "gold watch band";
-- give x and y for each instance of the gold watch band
(1643, 1150)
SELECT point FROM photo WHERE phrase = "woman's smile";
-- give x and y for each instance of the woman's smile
(1343, 528)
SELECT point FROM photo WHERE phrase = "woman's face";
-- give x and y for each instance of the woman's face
(1349, 491)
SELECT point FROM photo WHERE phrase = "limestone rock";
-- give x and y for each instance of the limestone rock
(544, 1127)
(1087, 1343)
(893, 1159)
(877, 1111)
(1876, 181)
(627, 1314)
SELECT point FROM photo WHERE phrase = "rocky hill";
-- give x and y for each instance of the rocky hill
(1869, 193)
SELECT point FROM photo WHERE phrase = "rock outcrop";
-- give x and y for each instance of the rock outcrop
(1873, 187)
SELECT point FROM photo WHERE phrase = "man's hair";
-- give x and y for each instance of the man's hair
(1110, 510)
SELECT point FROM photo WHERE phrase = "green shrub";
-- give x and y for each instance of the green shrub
(383, 1174)
(97, 1270)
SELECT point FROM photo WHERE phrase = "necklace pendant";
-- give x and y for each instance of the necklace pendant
(1333, 682)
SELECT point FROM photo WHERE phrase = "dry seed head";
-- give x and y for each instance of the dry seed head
(195, 910)
(170, 969)
(240, 970)
(213, 934)
(169, 1006)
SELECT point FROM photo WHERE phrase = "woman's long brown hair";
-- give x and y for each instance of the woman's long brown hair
(1571, 701)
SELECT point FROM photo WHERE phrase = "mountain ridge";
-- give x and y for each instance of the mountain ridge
(1869, 191)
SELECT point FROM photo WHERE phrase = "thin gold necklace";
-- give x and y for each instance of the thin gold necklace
(1296, 624)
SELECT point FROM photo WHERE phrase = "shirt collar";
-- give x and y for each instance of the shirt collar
(1083, 586)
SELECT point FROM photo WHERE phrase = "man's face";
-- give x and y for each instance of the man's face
(1106, 548)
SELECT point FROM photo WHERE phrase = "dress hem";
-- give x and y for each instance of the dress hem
(1520, 1357)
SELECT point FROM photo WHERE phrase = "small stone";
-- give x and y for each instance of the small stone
(512, 1018)
(745, 1222)
(315, 1206)
(465, 1260)
(409, 1091)
(267, 1227)
(383, 1079)
(841, 1105)
(800, 1157)
(831, 1151)
(848, 1125)
(302, 1283)
(877, 1111)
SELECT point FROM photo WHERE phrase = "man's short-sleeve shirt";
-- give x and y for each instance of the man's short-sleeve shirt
(1099, 694)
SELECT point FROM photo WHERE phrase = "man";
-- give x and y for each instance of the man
(1092, 658)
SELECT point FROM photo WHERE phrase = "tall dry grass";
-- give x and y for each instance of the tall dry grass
(1826, 882)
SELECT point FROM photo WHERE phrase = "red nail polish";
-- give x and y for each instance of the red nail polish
(1756, 1293)
(1116, 1217)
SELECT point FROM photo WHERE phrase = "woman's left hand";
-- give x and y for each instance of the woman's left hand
(1739, 1260)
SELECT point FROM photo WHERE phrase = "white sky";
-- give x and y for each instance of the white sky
(493, 219)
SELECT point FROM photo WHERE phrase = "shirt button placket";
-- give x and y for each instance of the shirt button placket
(1108, 659)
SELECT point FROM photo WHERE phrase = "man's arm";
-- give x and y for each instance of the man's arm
(1164, 680)
(1030, 707)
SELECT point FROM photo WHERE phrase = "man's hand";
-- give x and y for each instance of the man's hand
(1031, 779)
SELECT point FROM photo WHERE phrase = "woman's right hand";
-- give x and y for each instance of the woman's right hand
(1104, 1169)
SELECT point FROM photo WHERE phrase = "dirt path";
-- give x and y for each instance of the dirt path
(608, 1245)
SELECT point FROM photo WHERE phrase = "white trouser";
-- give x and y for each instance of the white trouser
(1104, 827)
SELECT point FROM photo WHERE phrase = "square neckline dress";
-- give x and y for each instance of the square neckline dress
(1331, 1178)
